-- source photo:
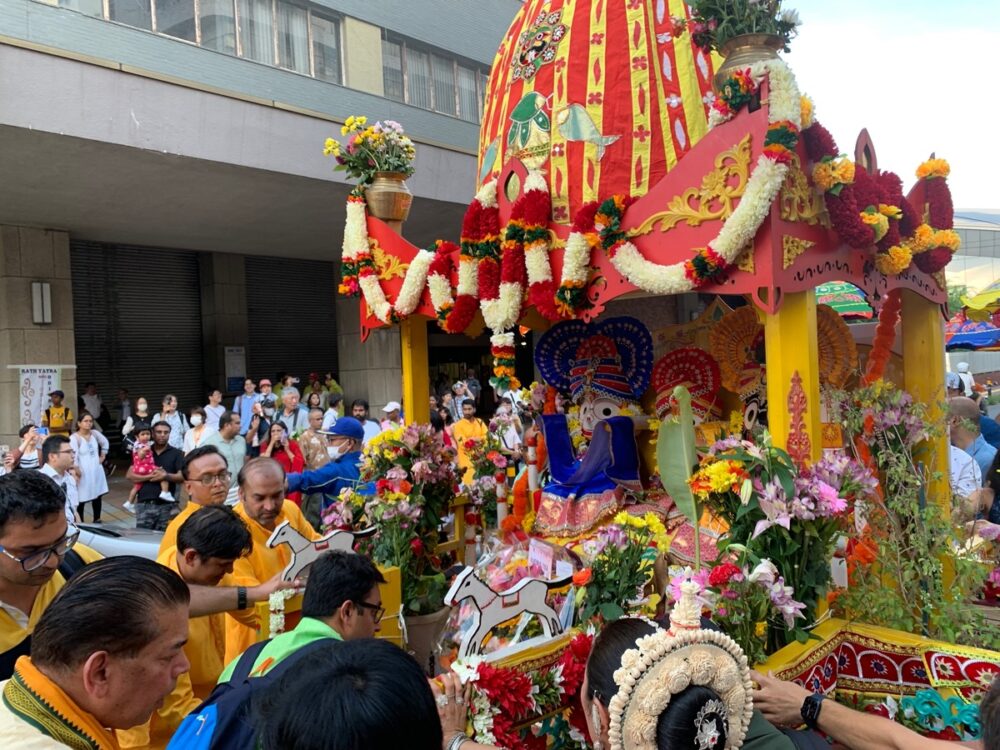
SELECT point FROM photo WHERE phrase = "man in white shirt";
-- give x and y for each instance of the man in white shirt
(968, 382)
(232, 447)
(214, 409)
(57, 460)
(91, 401)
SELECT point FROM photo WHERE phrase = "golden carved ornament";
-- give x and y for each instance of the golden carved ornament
(798, 200)
(716, 198)
(388, 266)
(744, 260)
(792, 248)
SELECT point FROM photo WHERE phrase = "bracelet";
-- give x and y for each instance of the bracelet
(241, 597)
(457, 741)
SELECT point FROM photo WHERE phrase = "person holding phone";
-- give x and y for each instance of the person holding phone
(286, 452)
(26, 455)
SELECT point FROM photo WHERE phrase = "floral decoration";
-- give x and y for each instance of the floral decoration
(713, 263)
(571, 297)
(410, 482)
(505, 697)
(714, 22)
(382, 147)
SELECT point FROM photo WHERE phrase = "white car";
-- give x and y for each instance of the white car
(114, 542)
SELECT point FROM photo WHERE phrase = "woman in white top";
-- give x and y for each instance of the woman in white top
(177, 421)
(91, 448)
(199, 432)
(213, 409)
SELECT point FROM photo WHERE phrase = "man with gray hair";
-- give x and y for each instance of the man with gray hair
(964, 431)
(294, 416)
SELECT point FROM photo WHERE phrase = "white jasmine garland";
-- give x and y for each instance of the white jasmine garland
(414, 282)
(487, 195)
(503, 312)
(576, 259)
(536, 258)
(440, 288)
(742, 226)
(355, 231)
(468, 280)
(276, 607)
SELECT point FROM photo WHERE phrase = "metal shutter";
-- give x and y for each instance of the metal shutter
(291, 313)
(137, 313)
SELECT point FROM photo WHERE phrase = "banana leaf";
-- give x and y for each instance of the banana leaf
(677, 459)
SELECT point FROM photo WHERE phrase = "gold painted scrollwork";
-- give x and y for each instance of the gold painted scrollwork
(792, 248)
(797, 199)
(388, 266)
(714, 200)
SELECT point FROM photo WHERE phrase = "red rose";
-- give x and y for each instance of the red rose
(417, 546)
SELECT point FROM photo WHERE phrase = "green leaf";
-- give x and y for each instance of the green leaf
(611, 611)
(676, 456)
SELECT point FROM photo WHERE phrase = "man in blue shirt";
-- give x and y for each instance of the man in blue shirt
(243, 404)
(344, 441)
(963, 428)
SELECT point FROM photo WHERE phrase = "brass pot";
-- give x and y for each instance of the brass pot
(743, 51)
(388, 198)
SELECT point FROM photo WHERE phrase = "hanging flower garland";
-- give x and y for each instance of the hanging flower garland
(504, 360)
(571, 297)
(935, 242)
(537, 208)
(354, 247)
(713, 263)
(481, 240)
(885, 336)
(503, 311)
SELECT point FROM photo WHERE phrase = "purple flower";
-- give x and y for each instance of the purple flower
(774, 504)
(781, 598)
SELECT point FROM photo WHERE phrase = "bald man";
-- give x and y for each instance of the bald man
(963, 429)
(264, 507)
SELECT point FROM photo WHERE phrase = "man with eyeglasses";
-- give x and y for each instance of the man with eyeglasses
(34, 540)
(342, 602)
(232, 447)
(206, 478)
(58, 458)
(152, 511)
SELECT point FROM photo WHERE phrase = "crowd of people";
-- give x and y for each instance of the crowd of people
(130, 653)
(974, 439)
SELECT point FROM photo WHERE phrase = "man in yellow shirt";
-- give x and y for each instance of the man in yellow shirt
(206, 479)
(469, 427)
(105, 653)
(208, 544)
(263, 506)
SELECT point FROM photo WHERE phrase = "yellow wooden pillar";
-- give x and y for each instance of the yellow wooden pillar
(790, 342)
(923, 378)
(416, 370)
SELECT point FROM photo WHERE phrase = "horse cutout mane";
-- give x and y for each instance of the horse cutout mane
(305, 552)
(491, 608)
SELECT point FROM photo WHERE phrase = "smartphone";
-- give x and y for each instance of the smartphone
(43, 431)
(4, 450)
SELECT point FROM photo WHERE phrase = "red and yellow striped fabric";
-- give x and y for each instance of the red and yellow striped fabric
(596, 93)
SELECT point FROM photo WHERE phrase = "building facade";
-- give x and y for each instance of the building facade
(164, 193)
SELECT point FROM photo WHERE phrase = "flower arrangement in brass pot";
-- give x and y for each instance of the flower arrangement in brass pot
(382, 147)
(715, 22)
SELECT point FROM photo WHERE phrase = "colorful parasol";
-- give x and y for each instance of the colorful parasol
(982, 305)
(961, 332)
(846, 299)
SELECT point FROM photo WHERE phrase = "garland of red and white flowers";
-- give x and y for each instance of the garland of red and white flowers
(504, 697)
(571, 297)
(712, 264)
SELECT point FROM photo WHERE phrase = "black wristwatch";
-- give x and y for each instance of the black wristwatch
(241, 597)
(810, 709)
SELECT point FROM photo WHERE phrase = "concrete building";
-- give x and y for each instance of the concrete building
(162, 174)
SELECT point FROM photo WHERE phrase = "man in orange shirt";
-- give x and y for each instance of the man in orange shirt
(263, 506)
(469, 427)
(208, 544)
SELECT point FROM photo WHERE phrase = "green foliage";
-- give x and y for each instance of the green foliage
(715, 22)
(919, 583)
(676, 458)
(955, 294)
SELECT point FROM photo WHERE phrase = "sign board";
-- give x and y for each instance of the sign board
(236, 368)
(34, 385)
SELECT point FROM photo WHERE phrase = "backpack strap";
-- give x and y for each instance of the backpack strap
(71, 563)
(243, 668)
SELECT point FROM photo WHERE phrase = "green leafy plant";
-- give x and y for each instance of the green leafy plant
(715, 22)
(914, 577)
(676, 459)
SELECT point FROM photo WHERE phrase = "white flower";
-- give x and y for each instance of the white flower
(765, 573)
(790, 16)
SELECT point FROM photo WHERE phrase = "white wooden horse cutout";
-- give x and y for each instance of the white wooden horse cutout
(305, 552)
(493, 608)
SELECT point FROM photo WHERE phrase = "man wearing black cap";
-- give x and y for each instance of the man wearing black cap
(58, 418)
(343, 444)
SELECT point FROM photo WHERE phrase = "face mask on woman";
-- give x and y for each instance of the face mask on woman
(196, 420)
(141, 407)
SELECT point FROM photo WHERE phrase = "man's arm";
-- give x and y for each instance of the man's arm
(781, 703)
(156, 476)
(208, 600)
(315, 480)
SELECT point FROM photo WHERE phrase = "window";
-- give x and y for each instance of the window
(468, 101)
(444, 85)
(176, 18)
(418, 78)
(326, 48)
(131, 12)
(293, 37)
(218, 25)
(256, 30)
(89, 7)
(392, 70)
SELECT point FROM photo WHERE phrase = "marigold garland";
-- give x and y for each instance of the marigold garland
(933, 168)
(503, 351)
(885, 336)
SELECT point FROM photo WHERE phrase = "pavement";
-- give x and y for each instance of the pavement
(113, 512)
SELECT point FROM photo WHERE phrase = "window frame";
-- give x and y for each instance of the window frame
(338, 20)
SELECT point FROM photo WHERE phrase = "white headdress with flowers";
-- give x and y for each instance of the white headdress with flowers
(668, 662)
